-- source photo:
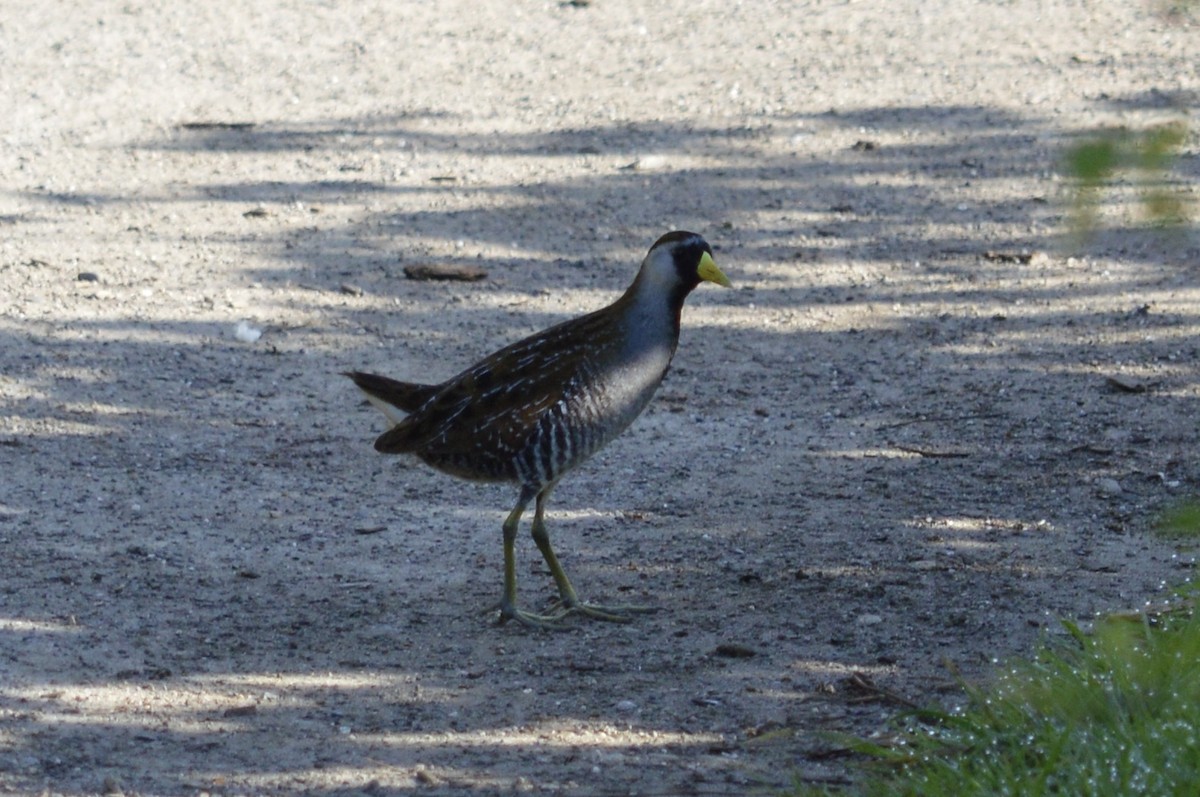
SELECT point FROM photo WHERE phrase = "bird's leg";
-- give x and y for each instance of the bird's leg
(568, 598)
(508, 603)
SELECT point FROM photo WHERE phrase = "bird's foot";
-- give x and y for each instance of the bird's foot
(560, 610)
(596, 611)
(509, 611)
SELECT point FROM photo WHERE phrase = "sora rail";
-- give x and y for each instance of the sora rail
(538, 408)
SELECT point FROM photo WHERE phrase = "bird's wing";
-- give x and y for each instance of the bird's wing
(495, 404)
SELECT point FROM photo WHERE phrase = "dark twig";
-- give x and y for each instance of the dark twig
(941, 419)
(868, 690)
(931, 452)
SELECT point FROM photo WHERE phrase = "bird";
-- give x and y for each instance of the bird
(535, 410)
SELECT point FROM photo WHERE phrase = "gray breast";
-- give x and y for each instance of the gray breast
(597, 405)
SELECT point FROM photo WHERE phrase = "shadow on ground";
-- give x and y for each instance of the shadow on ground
(893, 446)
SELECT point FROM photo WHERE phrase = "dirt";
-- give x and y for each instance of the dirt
(927, 424)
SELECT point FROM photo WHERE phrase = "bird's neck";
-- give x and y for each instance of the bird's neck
(652, 309)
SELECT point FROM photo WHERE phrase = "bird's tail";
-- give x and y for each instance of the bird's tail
(391, 396)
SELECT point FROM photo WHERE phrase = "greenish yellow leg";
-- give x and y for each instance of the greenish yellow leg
(508, 603)
(568, 599)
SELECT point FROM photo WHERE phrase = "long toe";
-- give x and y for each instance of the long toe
(610, 614)
(551, 622)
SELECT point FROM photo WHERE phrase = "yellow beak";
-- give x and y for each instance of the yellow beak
(709, 272)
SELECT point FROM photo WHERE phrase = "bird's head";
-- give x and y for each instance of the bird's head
(677, 263)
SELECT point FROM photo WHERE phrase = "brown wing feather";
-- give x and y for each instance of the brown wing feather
(493, 407)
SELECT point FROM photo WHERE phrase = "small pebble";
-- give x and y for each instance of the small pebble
(246, 333)
(248, 710)
(87, 276)
(646, 163)
(730, 650)
(1125, 384)
(626, 706)
(1109, 486)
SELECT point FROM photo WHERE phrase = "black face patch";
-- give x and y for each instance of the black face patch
(687, 249)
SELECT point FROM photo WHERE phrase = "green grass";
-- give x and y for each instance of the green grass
(1110, 713)
(1114, 712)
(1145, 158)
(1181, 522)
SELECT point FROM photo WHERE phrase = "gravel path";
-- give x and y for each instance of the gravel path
(924, 426)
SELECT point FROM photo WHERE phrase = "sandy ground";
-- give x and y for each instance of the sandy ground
(895, 452)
